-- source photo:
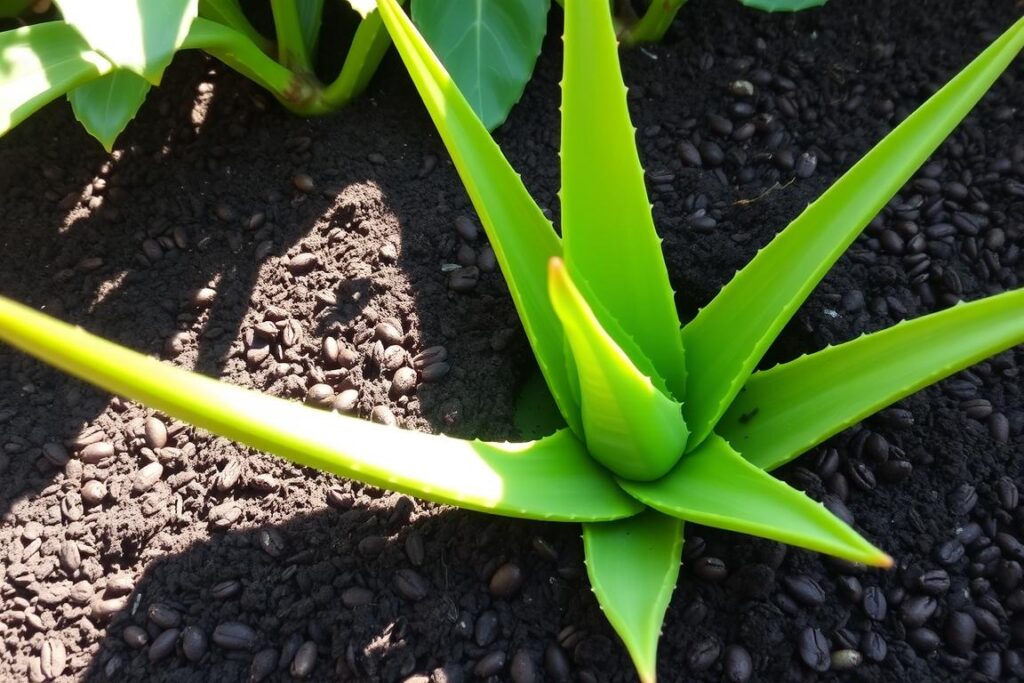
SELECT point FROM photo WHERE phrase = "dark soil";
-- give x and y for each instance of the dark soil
(232, 560)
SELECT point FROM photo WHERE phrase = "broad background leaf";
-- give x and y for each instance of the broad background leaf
(731, 334)
(714, 486)
(138, 35)
(523, 239)
(39, 63)
(633, 565)
(611, 248)
(783, 411)
(552, 478)
(105, 106)
(489, 47)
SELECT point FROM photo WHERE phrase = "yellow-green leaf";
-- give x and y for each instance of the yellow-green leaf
(105, 106)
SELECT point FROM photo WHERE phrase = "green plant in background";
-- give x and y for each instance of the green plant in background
(657, 418)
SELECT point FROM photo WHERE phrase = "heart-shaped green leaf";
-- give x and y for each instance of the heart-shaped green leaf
(488, 46)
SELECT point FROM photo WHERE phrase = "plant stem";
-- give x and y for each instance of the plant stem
(369, 44)
(291, 46)
(295, 91)
(652, 26)
(229, 13)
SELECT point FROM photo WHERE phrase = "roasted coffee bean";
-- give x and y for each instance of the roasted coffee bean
(861, 476)
(56, 454)
(875, 604)
(739, 666)
(963, 499)
(1007, 493)
(949, 553)
(383, 415)
(523, 669)
(703, 654)
(347, 401)
(164, 644)
(305, 660)
(356, 596)
(226, 589)
(404, 382)
(895, 470)
(924, 640)
(193, 643)
(263, 665)
(490, 665)
(556, 664)
(806, 164)
(156, 433)
(711, 153)
(1010, 546)
(710, 568)
(917, 610)
(934, 582)
(233, 635)
(986, 621)
(485, 631)
(414, 549)
(70, 556)
(850, 588)
(844, 660)
(999, 427)
(96, 453)
(135, 636)
(429, 356)
(163, 615)
(147, 477)
(805, 589)
(506, 581)
(52, 658)
(272, 542)
(303, 263)
(960, 632)
(466, 228)
(814, 649)
(320, 396)
(689, 153)
(303, 182)
(873, 646)
(464, 279)
(411, 585)
(989, 666)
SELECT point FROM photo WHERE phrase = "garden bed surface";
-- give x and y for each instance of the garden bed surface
(194, 243)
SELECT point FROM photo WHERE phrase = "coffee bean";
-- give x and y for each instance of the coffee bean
(463, 279)
(434, 372)
(347, 401)
(272, 542)
(850, 588)
(917, 610)
(228, 477)
(963, 499)
(719, 124)
(164, 616)
(1010, 546)
(411, 585)
(135, 636)
(429, 356)
(688, 153)
(814, 649)
(703, 654)
(147, 477)
(52, 658)
(805, 589)
(305, 660)
(486, 628)
(861, 476)
(70, 556)
(300, 264)
(226, 589)
(233, 635)
(372, 546)
(960, 632)
(193, 643)
(263, 665)
(506, 581)
(934, 582)
(96, 453)
(156, 433)
(710, 568)
(999, 427)
(466, 255)
(303, 183)
(383, 415)
(873, 646)
(1007, 493)
(490, 665)
(949, 553)
(404, 382)
(56, 454)
(466, 228)
(739, 666)
(394, 358)
(806, 164)
(320, 396)
(486, 261)
(895, 470)
(523, 669)
(874, 603)
(164, 644)
(711, 153)
(924, 640)
(556, 664)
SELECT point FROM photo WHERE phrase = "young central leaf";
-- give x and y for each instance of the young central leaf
(631, 426)
(608, 234)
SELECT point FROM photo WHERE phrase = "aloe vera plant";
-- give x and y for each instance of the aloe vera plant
(665, 422)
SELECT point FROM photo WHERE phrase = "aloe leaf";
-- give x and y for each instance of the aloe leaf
(552, 479)
(633, 566)
(783, 411)
(655, 22)
(489, 48)
(292, 50)
(522, 238)
(40, 62)
(783, 5)
(369, 44)
(608, 236)
(229, 13)
(714, 486)
(311, 14)
(631, 426)
(138, 35)
(105, 106)
(727, 338)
